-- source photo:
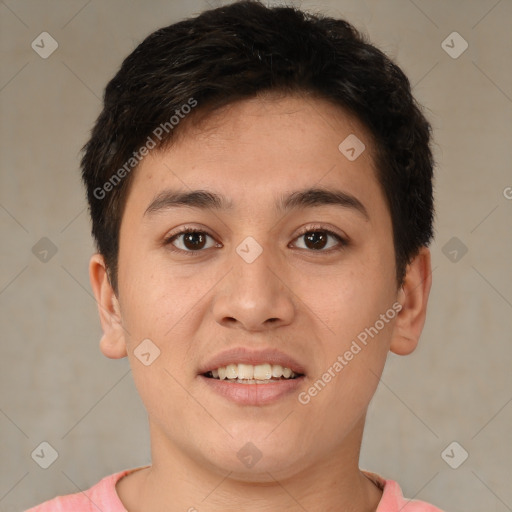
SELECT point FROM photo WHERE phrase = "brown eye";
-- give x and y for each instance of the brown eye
(316, 239)
(190, 240)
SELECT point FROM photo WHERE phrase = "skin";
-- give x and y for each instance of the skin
(193, 307)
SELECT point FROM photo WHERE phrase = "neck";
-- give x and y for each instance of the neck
(177, 482)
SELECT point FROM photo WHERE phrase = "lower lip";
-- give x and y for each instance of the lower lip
(253, 394)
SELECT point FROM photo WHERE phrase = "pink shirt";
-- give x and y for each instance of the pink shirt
(102, 496)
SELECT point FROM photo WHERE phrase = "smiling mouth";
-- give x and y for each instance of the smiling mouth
(250, 374)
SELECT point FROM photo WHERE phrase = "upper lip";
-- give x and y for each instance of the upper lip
(246, 356)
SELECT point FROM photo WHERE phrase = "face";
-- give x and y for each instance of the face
(309, 285)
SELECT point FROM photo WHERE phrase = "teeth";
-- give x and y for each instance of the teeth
(277, 370)
(263, 372)
(231, 371)
(245, 371)
(250, 374)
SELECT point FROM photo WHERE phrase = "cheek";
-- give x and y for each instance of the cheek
(356, 343)
(167, 310)
(348, 300)
(353, 359)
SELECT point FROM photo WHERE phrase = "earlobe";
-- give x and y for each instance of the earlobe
(113, 343)
(413, 296)
(112, 347)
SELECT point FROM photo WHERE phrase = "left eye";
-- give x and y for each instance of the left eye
(316, 239)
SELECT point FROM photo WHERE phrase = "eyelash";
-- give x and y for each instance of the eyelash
(310, 229)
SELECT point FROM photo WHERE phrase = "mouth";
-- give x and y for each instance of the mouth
(241, 373)
(252, 377)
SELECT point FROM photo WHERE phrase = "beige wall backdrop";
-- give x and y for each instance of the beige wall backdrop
(56, 386)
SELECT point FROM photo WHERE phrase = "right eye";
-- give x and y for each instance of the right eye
(192, 240)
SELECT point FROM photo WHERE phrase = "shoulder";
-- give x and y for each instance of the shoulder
(393, 500)
(101, 496)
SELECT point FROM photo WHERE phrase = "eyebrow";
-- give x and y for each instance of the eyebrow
(307, 198)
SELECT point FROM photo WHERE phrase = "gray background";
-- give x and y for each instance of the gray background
(57, 387)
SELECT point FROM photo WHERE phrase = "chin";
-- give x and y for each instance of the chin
(258, 456)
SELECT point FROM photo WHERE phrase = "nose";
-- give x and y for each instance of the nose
(254, 295)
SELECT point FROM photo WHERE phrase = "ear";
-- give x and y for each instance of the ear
(413, 296)
(113, 342)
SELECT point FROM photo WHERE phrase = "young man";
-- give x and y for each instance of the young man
(260, 186)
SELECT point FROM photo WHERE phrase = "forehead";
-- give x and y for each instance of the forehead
(258, 151)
